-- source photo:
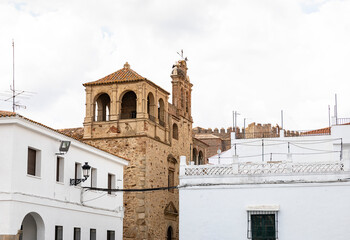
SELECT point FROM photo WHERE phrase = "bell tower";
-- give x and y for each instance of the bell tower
(182, 89)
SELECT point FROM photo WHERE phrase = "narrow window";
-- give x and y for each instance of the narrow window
(175, 131)
(58, 233)
(76, 234)
(92, 234)
(33, 162)
(111, 182)
(77, 171)
(171, 179)
(59, 169)
(93, 177)
(110, 235)
(262, 225)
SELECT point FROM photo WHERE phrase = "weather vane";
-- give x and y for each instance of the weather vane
(182, 55)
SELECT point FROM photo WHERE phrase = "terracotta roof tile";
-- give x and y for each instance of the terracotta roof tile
(77, 133)
(7, 114)
(126, 74)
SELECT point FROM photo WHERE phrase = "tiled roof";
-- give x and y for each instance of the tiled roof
(7, 114)
(126, 74)
(77, 133)
(12, 114)
(322, 131)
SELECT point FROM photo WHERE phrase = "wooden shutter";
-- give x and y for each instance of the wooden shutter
(31, 162)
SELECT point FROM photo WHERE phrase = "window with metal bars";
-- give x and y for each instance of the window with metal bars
(262, 225)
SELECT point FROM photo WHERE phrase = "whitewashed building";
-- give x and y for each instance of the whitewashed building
(36, 199)
(267, 189)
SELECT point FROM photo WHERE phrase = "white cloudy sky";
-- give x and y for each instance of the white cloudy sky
(254, 56)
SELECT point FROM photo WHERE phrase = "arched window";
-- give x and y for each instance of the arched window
(161, 115)
(200, 158)
(194, 156)
(102, 106)
(128, 109)
(150, 107)
(169, 234)
(175, 131)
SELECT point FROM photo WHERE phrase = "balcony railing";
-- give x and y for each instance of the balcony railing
(264, 168)
(342, 121)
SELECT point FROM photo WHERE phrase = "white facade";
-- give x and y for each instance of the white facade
(38, 202)
(306, 189)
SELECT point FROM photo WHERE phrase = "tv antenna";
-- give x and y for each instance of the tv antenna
(15, 93)
(182, 55)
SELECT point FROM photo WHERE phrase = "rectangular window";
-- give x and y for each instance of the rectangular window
(33, 162)
(111, 182)
(76, 234)
(77, 171)
(58, 233)
(59, 169)
(171, 179)
(93, 177)
(262, 225)
(110, 235)
(92, 234)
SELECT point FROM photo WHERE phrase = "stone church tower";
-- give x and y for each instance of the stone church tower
(129, 115)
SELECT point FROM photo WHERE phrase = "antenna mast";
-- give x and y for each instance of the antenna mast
(13, 77)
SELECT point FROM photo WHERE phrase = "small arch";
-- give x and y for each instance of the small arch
(194, 155)
(33, 227)
(175, 131)
(200, 158)
(161, 115)
(128, 105)
(150, 107)
(102, 106)
(169, 233)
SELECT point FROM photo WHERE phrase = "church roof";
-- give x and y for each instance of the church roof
(126, 74)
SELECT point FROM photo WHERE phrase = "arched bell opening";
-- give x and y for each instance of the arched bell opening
(151, 107)
(102, 107)
(161, 114)
(128, 106)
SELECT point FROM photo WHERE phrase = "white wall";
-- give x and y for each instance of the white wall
(307, 211)
(57, 203)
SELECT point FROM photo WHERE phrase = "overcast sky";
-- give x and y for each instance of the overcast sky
(253, 56)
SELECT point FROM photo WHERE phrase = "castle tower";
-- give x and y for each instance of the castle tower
(130, 116)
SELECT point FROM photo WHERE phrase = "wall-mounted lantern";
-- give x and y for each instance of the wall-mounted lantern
(64, 147)
(86, 173)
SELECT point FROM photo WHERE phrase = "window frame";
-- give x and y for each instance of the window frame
(37, 162)
(57, 236)
(77, 230)
(77, 171)
(93, 233)
(93, 176)
(261, 212)
(109, 237)
(60, 169)
(111, 183)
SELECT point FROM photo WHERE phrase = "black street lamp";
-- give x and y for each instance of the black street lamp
(86, 173)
